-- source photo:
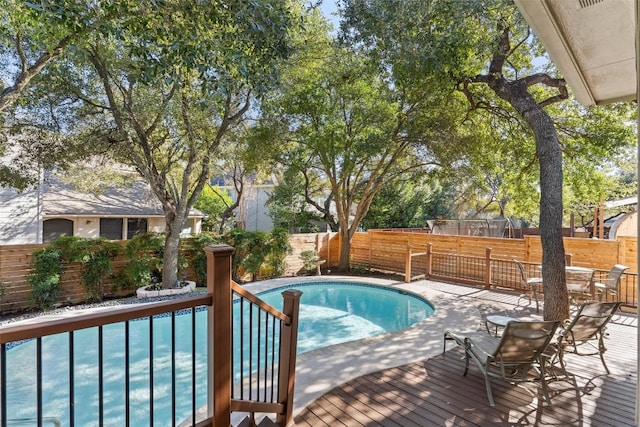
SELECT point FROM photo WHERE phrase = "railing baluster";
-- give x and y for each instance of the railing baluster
(173, 368)
(39, 379)
(233, 345)
(250, 351)
(266, 354)
(241, 347)
(273, 355)
(193, 366)
(100, 377)
(127, 402)
(3, 384)
(72, 405)
(258, 358)
(150, 370)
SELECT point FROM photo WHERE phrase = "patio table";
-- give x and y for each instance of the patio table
(579, 282)
(497, 321)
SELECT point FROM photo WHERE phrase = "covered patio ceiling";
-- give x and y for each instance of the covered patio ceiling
(592, 42)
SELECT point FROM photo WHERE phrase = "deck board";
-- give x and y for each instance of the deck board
(434, 392)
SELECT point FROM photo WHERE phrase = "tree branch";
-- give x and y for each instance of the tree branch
(9, 94)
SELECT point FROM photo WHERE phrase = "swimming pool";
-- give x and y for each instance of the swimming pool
(330, 313)
(336, 312)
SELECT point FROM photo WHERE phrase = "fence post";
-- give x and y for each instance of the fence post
(407, 265)
(568, 259)
(328, 249)
(370, 249)
(288, 344)
(219, 334)
(429, 259)
(487, 271)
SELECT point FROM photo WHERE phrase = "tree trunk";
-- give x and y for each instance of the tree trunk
(556, 296)
(170, 255)
(345, 250)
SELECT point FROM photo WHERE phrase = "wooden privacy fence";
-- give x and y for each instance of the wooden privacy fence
(459, 258)
(15, 266)
(486, 261)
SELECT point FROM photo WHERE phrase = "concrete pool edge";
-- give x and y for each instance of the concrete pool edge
(321, 370)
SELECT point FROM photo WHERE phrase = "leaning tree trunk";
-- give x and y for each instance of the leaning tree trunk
(556, 297)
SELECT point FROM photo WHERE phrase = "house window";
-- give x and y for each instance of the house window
(54, 228)
(188, 229)
(111, 228)
(136, 226)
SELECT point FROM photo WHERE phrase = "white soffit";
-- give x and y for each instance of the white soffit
(592, 42)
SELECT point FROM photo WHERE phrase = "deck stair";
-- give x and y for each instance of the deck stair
(264, 422)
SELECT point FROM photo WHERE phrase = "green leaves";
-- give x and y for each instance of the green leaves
(45, 277)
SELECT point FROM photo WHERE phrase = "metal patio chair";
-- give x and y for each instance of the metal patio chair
(533, 284)
(586, 330)
(611, 285)
(517, 356)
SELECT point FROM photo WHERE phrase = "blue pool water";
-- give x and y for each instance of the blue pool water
(337, 312)
(330, 313)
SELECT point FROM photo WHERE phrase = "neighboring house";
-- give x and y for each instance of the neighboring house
(53, 209)
(252, 213)
(20, 216)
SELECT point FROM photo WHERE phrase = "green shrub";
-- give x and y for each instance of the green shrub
(44, 278)
(309, 259)
(94, 255)
(199, 257)
(279, 247)
(145, 261)
(257, 251)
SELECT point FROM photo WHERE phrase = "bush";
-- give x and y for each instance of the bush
(257, 252)
(309, 260)
(94, 255)
(145, 260)
(45, 277)
(199, 257)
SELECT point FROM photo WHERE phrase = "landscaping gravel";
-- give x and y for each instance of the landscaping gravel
(12, 318)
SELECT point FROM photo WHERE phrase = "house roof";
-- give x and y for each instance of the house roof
(592, 42)
(135, 200)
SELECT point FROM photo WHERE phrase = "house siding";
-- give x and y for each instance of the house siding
(253, 215)
(19, 217)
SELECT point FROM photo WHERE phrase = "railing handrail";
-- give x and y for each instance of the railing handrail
(235, 287)
(12, 332)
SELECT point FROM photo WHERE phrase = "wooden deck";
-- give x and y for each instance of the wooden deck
(433, 392)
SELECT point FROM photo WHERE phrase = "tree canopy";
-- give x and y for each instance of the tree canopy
(345, 125)
(488, 53)
(163, 102)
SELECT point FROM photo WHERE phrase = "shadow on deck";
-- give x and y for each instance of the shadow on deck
(433, 392)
